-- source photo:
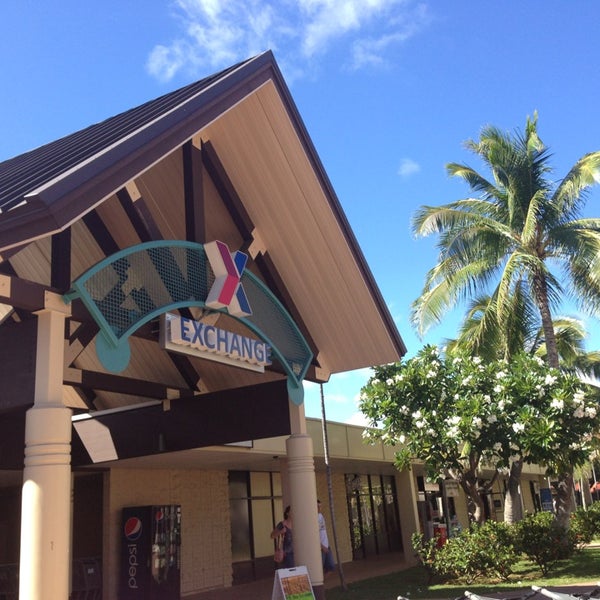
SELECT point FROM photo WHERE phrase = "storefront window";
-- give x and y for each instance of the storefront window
(373, 511)
(254, 506)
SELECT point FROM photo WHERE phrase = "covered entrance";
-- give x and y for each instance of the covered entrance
(224, 159)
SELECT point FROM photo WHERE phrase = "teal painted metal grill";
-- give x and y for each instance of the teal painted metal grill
(134, 288)
(137, 284)
(270, 318)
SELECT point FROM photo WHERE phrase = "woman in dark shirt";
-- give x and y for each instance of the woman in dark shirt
(283, 531)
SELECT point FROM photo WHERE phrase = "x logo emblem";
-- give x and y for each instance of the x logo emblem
(227, 290)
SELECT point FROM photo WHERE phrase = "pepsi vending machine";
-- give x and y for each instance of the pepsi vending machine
(150, 553)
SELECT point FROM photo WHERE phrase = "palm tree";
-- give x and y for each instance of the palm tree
(480, 334)
(513, 236)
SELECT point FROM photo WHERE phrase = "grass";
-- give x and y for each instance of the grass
(412, 583)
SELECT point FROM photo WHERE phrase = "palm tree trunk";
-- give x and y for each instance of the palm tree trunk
(513, 507)
(564, 493)
(541, 295)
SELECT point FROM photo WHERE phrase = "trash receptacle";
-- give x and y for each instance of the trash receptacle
(87, 579)
(441, 533)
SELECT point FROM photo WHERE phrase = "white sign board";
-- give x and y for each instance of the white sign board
(204, 340)
(292, 584)
(451, 488)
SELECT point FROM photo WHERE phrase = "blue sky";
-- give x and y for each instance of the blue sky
(388, 89)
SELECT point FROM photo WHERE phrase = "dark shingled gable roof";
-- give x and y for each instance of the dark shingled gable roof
(26, 172)
(46, 190)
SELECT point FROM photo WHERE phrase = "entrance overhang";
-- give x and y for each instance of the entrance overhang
(225, 417)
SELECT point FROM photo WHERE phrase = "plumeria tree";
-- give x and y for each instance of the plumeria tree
(459, 415)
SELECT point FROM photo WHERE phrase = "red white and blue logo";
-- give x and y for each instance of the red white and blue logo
(227, 290)
(132, 529)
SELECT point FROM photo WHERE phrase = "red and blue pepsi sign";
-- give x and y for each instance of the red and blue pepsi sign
(132, 529)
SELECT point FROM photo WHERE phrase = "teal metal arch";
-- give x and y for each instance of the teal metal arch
(135, 285)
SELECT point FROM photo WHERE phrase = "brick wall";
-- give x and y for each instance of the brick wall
(205, 537)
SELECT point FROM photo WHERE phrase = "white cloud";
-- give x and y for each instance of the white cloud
(357, 419)
(216, 34)
(398, 315)
(408, 167)
(358, 375)
(164, 62)
(339, 398)
(372, 50)
(329, 19)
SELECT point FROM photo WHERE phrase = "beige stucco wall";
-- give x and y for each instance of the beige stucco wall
(204, 500)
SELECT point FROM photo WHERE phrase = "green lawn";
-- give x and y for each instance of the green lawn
(412, 583)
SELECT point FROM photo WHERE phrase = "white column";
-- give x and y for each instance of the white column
(303, 490)
(46, 497)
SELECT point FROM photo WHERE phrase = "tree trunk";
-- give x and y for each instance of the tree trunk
(513, 507)
(470, 486)
(564, 492)
(564, 505)
(541, 295)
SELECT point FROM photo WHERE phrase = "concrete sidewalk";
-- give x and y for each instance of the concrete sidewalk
(353, 571)
(569, 590)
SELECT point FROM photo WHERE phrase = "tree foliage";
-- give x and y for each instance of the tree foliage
(521, 237)
(458, 414)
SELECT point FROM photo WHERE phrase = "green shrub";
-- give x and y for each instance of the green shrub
(543, 541)
(585, 524)
(425, 551)
(485, 550)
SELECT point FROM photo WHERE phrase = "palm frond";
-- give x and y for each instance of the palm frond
(479, 333)
(530, 234)
(584, 173)
(510, 238)
(446, 285)
(475, 181)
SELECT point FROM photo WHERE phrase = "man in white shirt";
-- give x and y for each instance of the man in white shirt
(327, 555)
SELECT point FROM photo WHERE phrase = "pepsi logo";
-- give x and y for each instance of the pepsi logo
(132, 529)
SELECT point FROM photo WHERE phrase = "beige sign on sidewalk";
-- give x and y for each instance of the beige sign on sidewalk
(292, 584)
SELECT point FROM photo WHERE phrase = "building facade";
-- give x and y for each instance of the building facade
(169, 277)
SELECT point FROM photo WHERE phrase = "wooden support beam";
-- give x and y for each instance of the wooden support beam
(23, 294)
(195, 216)
(136, 209)
(124, 385)
(60, 266)
(231, 199)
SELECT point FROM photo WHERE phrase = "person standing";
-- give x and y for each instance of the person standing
(283, 529)
(326, 554)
